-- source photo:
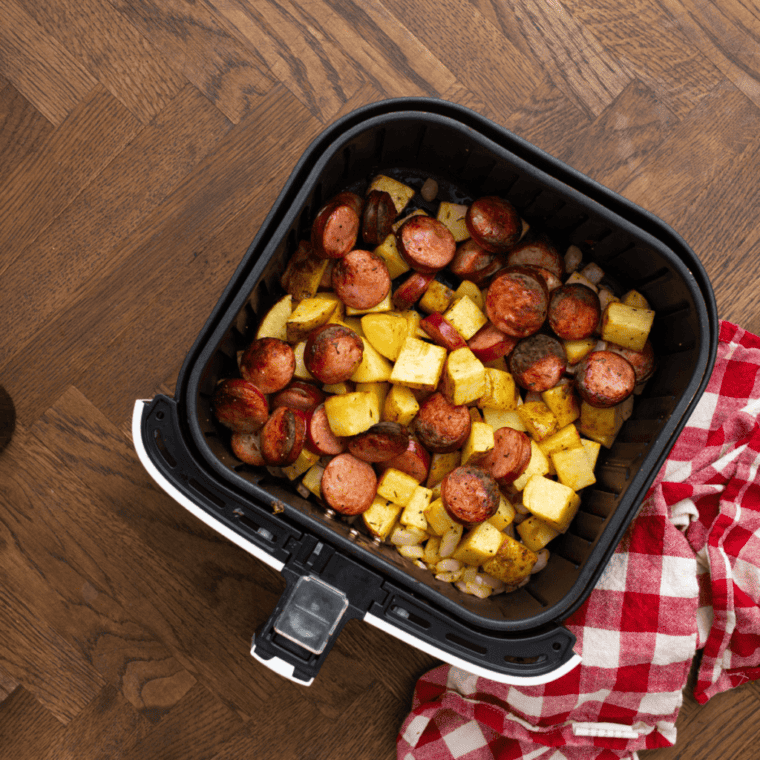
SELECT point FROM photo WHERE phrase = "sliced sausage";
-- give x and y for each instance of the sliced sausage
(415, 461)
(604, 379)
(537, 251)
(442, 331)
(247, 448)
(268, 363)
(551, 280)
(474, 263)
(240, 405)
(643, 362)
(574, 311)
(489, 343)
(299, 395)
(411, 290)
(426, 244)
(538, 362)
(332, 353)
(517, 302)
(509, 456)
(335, 228)
(493, 223)
(383, 441)
(320, 437)
(470, 495)
(378, 217)
(348, 485)
(361, 279)
(441, 426)
(283, 436)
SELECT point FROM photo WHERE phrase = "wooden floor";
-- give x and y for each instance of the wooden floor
(142, 143)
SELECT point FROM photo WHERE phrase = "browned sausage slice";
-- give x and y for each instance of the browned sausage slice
(361, 279)
(378, 217)
(509, 457)
(320, 437)
(335, 229)
(411, 290)
(240, 405)
(472, 262)
(299, 395)
(283, 436)
(381, 442)
(517, 302)
(538, 362)
(489, 343)
(348, 484)
(441, 426)
(470, 495)
(537, 251)
(493, 223)
(442, 331)
(604, 379)
(268, 363)
(332, 353)
(426, 244)
(643, 362)
(415, 461)
(247, 448)
(574, 311)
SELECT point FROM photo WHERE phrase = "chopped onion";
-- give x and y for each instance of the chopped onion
(449, 542)
(449, 577)
(405, 537)
(488, 580)
(573, 258)
(448, 565)
(543, 558)
(470, 573)
(410, 552)
(593, 273)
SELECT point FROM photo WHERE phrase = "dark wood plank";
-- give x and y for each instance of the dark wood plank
(7, 685)
(27, 729)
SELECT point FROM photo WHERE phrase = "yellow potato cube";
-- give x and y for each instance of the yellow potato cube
(635, 299)
(627, 326)
(381, 517)
(478, 443)
(419, 365)
(438, 518)
(504, 516)
(596, 422)
(535, 533)
(413, 318)
(374, 367)
(465, 317)
(300, 372)
(273, 325)
(452, 216)
(464, 377)
(578, 349)
(386, 333)
(351, 413)
(538, 465)
(399, 192)
(555, 503)
(573, 468)
(479, 545)
(303, 273)
(592, 451)
(396, 486)
(385, 305)
(313, 478)
(441, 465)
(414, 512)
(306, 459)
(500, 391)
(338, 389)
(498, 418)
(378, 391)
(436, 298)
(563, 402)
(512, 562)
(567, 437)
(400, 405)
(472, 291)
(538, 419)
(389, 253)
(310, 313)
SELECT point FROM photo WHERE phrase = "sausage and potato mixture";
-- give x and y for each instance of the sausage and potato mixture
(448, 380)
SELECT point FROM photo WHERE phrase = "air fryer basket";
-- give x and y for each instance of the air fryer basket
(517, 634)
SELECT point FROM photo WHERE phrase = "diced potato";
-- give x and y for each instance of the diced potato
(385, 305)
(498, 418)
(464, 377)
(310, 313)
(512, 563)
(381, 517)
(635, 299)
(400, 405)
(378, 391)
(567, 437)
(419, 365)
(345, 386)
(441, 465)
(389, 253)
(399, 192)
(438, 518)
(596, 422)
(374, 367)
(504, 515)
(535, 533)
(351, 413)
(626, 325)
(578, 349)
(413, 319)
(396, 486)
(414, 512)
(303, 273)
(452, 216)
(538, 465)
(386, 333)
(555, 503)
(500, 391)
(573, 468)
(273, 325)
(472, 291)
(563, 402)
(538, 419)
(313, 478)
(300, 372)
(465, 316)
(436, 298)
(355, 324)
(592, 451)
(478, 443)
(479, 545)
(306, 459)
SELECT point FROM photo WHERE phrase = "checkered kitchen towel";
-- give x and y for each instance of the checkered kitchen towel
(686, 576)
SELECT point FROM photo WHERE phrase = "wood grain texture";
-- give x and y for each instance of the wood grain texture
(142, 145)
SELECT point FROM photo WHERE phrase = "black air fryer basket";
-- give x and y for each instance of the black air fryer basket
(334, 572)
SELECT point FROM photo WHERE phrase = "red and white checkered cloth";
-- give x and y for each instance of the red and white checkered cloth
(686, 576)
